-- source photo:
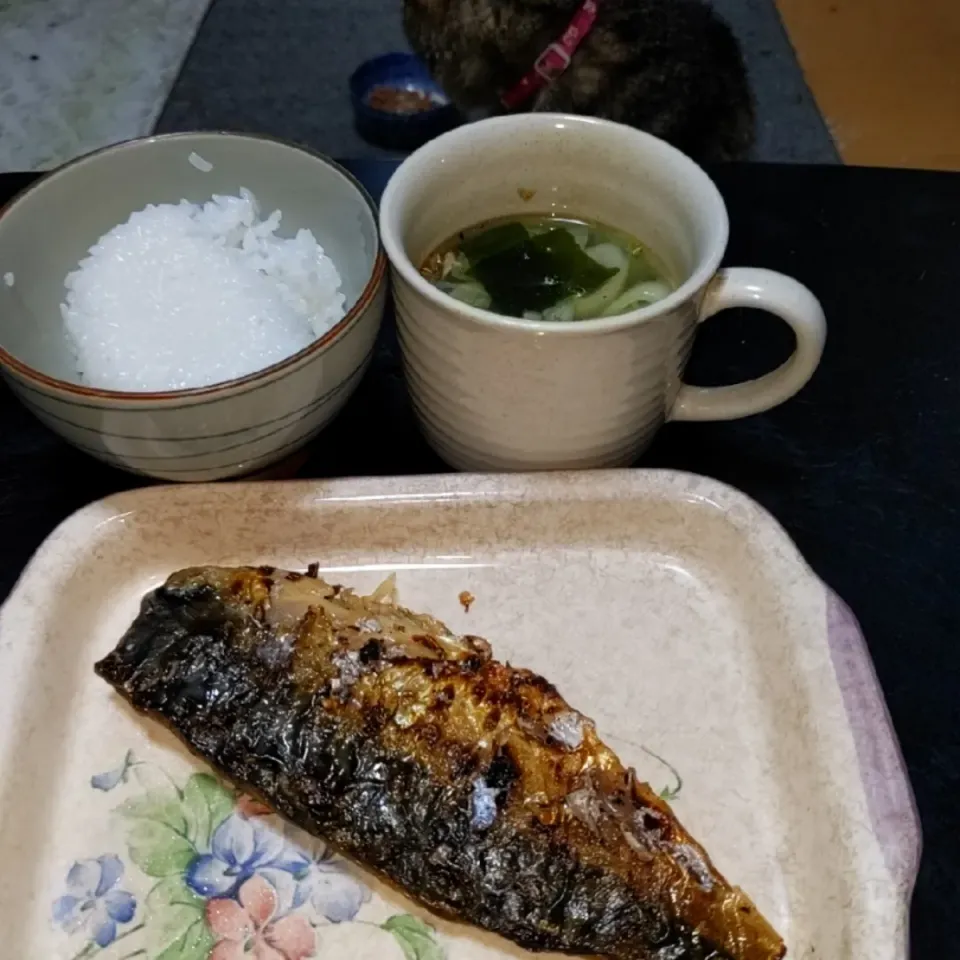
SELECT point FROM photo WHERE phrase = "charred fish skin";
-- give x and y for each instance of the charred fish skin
(406, 750)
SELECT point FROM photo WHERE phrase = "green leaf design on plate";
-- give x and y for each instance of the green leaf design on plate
(416, 939)
(195, 943)
(668, 793)
(177, 922)
(206, 804)
(157, 833)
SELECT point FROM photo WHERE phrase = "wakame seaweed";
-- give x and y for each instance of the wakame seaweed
(547, 268)
(538, 272)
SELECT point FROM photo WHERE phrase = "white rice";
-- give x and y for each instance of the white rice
(204, 166)
(183, 295)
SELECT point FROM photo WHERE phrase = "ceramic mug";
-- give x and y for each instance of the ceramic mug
(499, 393)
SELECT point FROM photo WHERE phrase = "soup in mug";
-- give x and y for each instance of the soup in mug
(548, 268)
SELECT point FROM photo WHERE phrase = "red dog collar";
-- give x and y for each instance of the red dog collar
(555, 59)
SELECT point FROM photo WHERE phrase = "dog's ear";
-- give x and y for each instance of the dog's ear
(461, 42)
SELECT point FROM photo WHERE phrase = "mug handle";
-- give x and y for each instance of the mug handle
(785, 298)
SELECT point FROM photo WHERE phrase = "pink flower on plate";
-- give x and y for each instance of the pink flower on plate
(248, 931)
(248, 807)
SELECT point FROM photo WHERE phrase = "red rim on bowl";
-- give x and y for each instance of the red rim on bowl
(363, 301)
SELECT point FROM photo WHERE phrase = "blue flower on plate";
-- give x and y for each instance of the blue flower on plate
(113, 778)
(239, 848)
(93, 902)
(324, 883)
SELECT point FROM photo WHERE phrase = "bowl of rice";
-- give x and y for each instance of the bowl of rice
(192, 306)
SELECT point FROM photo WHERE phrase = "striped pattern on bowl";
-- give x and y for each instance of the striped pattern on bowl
(210, 433)
(227, 432)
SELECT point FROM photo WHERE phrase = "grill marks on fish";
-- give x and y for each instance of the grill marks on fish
(470, 784)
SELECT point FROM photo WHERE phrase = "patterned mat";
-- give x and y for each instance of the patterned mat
(79, 74)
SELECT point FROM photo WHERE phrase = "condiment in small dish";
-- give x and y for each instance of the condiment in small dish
(402, 100)
(398, 105)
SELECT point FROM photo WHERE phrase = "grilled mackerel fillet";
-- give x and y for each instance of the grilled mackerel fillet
(471, 785)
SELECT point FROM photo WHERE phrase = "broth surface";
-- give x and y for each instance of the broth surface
(548, 268)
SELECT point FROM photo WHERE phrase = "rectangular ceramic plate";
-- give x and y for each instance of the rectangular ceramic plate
(669, 608)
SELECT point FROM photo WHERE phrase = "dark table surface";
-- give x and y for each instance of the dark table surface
(861, 468)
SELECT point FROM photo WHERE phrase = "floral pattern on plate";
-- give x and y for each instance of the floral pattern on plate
(224, 880)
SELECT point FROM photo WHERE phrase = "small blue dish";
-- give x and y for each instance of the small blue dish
(399, 129)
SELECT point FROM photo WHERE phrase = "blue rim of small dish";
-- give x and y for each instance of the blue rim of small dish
(401, 71)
